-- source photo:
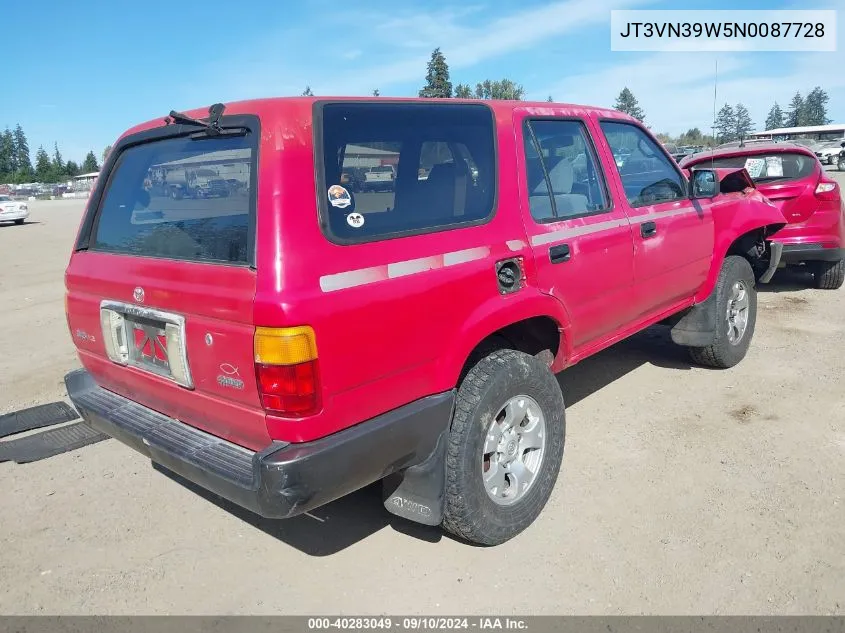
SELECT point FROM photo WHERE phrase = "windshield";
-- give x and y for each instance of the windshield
(780, 166)
(5, 199)
(155, 206)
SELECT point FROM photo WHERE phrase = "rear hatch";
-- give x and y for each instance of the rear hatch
(161, 287)
(788, 179)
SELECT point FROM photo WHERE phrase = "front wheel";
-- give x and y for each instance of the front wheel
(829, 275)
(736, 316)
(505, 447)
(840, 165)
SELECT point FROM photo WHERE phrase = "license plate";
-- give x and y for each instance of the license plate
(145, 338)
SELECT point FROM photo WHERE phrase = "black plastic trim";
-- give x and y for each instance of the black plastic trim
(793, 253)
(249, 122)
(320, 176)
(282, 480)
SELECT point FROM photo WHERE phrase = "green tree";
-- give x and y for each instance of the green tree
(71, 169)
(626, 102)
(774, 120)
(106, 152)
(307, 92)
(815, 107)
(725, 124)
(7, 155)
(504, 89)
(550, 100)
(795, 114)
(376, 93)
(463, 91)
(437, 84)
(90, 163)
(58, 163)
(23, 163)
(744, 125)
(43, 167)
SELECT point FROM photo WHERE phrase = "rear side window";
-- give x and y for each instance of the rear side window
(393, 169)
(777, 166)
(647, 174)
(563, 180)
(180, 198)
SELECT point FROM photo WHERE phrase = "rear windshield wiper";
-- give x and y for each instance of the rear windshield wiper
(211, 125)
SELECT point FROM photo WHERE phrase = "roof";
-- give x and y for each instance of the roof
(92, 174)
(749, 150)
(368, 151)
(805, 129)
(220, 156)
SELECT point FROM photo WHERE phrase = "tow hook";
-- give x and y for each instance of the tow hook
(776, 249)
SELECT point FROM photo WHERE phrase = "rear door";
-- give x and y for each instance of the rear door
(581, 240)
(161, 288)
(673, 235)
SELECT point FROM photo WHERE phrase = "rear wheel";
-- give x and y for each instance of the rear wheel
(841, 164)
(829, 275)
(736, 316)
(505, 447)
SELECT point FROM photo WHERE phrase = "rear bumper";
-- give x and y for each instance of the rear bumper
(794, 253)
(282, 480)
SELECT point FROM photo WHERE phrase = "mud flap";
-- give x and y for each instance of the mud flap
(697, 328)
(776, 249)
(418, 493)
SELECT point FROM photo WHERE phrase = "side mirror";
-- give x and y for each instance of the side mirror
(704, 184)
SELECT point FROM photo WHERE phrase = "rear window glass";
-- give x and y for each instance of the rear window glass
(770, 167)
(391, 169)
(179, 198)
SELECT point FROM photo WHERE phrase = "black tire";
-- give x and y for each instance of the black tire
(829, 275)
(19, 222)
(722, 353)
(840, 165)
(470, 513)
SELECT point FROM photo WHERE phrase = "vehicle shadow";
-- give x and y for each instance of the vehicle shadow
(10, 223)
(788, 280)
(341, 524)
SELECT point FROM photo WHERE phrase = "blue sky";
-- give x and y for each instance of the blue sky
(82, 72)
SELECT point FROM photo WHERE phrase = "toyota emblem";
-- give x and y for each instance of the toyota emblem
(138, 294)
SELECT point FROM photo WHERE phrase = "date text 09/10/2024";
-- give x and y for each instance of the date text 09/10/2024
(416, 623)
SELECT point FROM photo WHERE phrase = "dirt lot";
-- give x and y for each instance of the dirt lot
(683, 490)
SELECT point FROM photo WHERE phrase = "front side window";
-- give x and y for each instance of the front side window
(648, 175)
(563, 179)
(391, 169)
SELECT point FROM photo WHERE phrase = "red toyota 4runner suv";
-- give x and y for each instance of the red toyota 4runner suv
(293, 341)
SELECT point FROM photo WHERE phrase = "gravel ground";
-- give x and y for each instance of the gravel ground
(683, 490)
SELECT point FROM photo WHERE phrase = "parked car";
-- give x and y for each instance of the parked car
(828, 153)
(840, 161)
(353, 179)
(12, 210)
(380, 178)
(284, 349)
(792, 177)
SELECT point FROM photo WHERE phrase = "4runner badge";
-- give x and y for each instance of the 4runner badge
(339, 197)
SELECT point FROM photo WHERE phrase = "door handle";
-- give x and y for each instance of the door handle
(559, 253)
(648, 229)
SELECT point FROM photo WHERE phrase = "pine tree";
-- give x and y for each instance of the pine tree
(106, 152)
(437, 84)
(463, 91)
(71, 169)
(550, 100)
(725, 124)
(307, 92)
(7, 155)
(626, 102)
(795, 114)
(58, 163)
(23, 163)
(43, 167)
(774, 120)
(815, 107)
(376, 93)
(90, 163)
(744, 125)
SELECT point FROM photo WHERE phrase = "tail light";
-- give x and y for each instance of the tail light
(286, 370)
(827, 190)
